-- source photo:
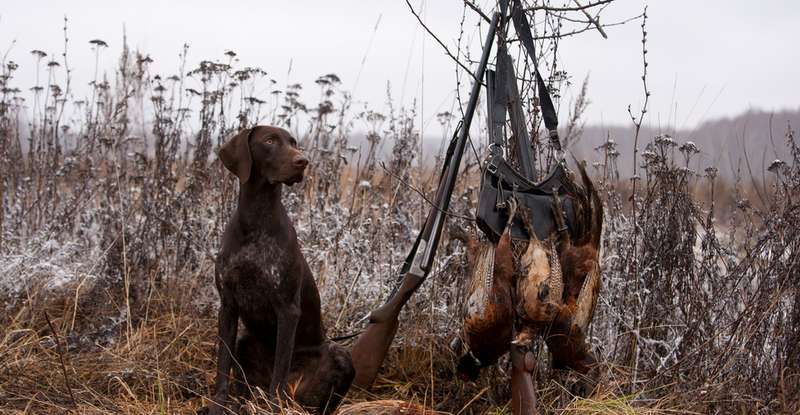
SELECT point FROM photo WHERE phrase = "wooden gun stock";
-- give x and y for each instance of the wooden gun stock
(523, 391)
(372, 345)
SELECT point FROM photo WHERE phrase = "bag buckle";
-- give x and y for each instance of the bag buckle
(491, 167)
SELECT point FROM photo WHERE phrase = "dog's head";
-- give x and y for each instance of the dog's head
(269, 152)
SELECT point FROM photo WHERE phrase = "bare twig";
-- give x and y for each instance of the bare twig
(634, 179)
(422, 194)
(595, 21)
(446, 50)
(581, 30)
(61, 357)
(477, 9)
(569, 9)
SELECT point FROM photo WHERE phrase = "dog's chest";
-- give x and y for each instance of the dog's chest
(264, 264)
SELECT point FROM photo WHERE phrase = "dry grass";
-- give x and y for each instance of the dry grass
(165, 363)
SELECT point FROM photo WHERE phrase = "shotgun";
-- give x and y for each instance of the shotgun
(372, 345)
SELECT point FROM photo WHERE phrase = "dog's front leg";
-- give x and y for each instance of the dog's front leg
(288, 317)
(228, 325)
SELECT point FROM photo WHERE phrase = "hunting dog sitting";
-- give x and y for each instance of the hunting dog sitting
(264, 280)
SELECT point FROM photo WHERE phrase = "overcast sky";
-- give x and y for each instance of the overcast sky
(711, 58)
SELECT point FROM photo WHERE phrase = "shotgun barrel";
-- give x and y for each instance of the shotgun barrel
(372, 345)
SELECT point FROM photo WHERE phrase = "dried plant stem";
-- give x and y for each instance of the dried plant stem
(125, 269)
(61, 358)
(633, 255)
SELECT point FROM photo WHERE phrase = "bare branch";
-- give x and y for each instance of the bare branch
(595, 21)
(579, 31)
(427, 200)
(446, 50)
(477, 9)
(569, 9)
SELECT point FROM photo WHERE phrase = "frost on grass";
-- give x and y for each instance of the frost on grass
(46, 265)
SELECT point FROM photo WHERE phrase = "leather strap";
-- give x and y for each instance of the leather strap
(523, 29)
(519, 125)
(495, 100)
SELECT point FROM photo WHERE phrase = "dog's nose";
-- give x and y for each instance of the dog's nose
(301, 162)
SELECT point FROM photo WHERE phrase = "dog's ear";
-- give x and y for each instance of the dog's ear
(235, 155)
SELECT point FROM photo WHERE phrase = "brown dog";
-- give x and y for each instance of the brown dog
(263, 279)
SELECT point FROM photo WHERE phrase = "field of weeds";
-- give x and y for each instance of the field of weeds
(112, 208)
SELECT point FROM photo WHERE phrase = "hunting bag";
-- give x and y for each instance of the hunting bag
(501, 181)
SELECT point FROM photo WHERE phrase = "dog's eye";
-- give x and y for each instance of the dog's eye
(269, 141)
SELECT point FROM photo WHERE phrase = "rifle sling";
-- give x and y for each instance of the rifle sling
(497, 112)
(523, 29)
(519, 125)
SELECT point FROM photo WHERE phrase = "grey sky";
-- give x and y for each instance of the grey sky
(718, 57)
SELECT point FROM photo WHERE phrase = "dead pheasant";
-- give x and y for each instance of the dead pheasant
(580, 269)
(557, 288)
(490, 313)
(540, 286)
